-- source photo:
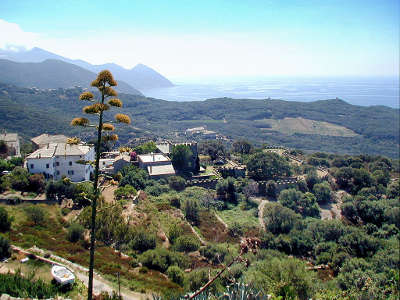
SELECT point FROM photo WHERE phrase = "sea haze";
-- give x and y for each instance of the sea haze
(357, 91)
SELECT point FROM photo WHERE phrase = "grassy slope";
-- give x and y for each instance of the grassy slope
(51, 236)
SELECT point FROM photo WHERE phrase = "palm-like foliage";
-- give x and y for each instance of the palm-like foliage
(104, 83)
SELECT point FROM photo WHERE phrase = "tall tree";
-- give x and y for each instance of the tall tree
(182, 157)
(104, 83)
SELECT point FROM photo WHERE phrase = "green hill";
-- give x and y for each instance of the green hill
(330, 125)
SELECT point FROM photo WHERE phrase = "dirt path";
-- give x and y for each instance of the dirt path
(222, 221)
(261, 213)
(262, 202)
(203, 242)
(99, 283)
(333, 210)
(108, 194)
(102, 285)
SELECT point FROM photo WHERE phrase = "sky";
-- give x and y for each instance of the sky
(214, 38)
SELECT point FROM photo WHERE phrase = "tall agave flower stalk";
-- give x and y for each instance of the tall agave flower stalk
(104, 83)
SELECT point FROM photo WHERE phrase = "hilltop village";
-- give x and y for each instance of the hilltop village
(174, 214)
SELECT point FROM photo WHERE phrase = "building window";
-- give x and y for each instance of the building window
(58, 173)
(32, 166)
(57, 163)
(70, 163)
(71, 172)
(47, 166)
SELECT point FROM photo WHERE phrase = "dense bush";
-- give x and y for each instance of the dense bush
(282, 277)
(124, 192)
(175, 231)
(5, 220)
(236, 230)
(156, 189)
(17, 286)
(215, 253)
(142, 241)
(264, 166)
(135, 177)
(37, 183)
(176, 275)
(226, 190)
(186, 243)
(304, 204)
(5, 250)
(191, 209)
(271, 189)
(177, 183)
(279, 219)
(161, 259)
(75, 232)
(322, 192)
(19, 179)
(35, 214)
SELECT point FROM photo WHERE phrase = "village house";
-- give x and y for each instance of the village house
(60, 159)
(113, 162)
(45, 139)
(12, 141)
(157, 165)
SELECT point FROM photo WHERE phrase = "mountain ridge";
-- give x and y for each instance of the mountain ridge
(51, 73)
(138, 77)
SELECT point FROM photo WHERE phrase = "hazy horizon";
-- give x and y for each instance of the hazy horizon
(215, 39)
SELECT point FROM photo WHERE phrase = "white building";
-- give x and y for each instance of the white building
(12, 141)
(157, 165)
(60, 159)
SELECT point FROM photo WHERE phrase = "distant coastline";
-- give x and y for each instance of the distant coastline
(357, 91)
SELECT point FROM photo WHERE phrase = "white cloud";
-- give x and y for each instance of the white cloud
(13, 38)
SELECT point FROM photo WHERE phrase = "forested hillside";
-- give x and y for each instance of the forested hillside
(375, 129)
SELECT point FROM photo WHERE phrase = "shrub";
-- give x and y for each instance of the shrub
(160, 259)
(19, 179)
(175, 202)
(65, 211)
(177, 183)
(75, 232)
(271, 188)
(322, 191)
(5, 250)
(175, 231)
(215, 253)
(279, 219)
(5, 220)
(143, 241)
(156, 189)
(17, 286)
(176, 275)
(35, 214)
(191, 208)
(37, 183)
(125, 192)
(235, 230)
(186, 243)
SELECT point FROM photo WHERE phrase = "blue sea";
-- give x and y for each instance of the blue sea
(357, 91)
